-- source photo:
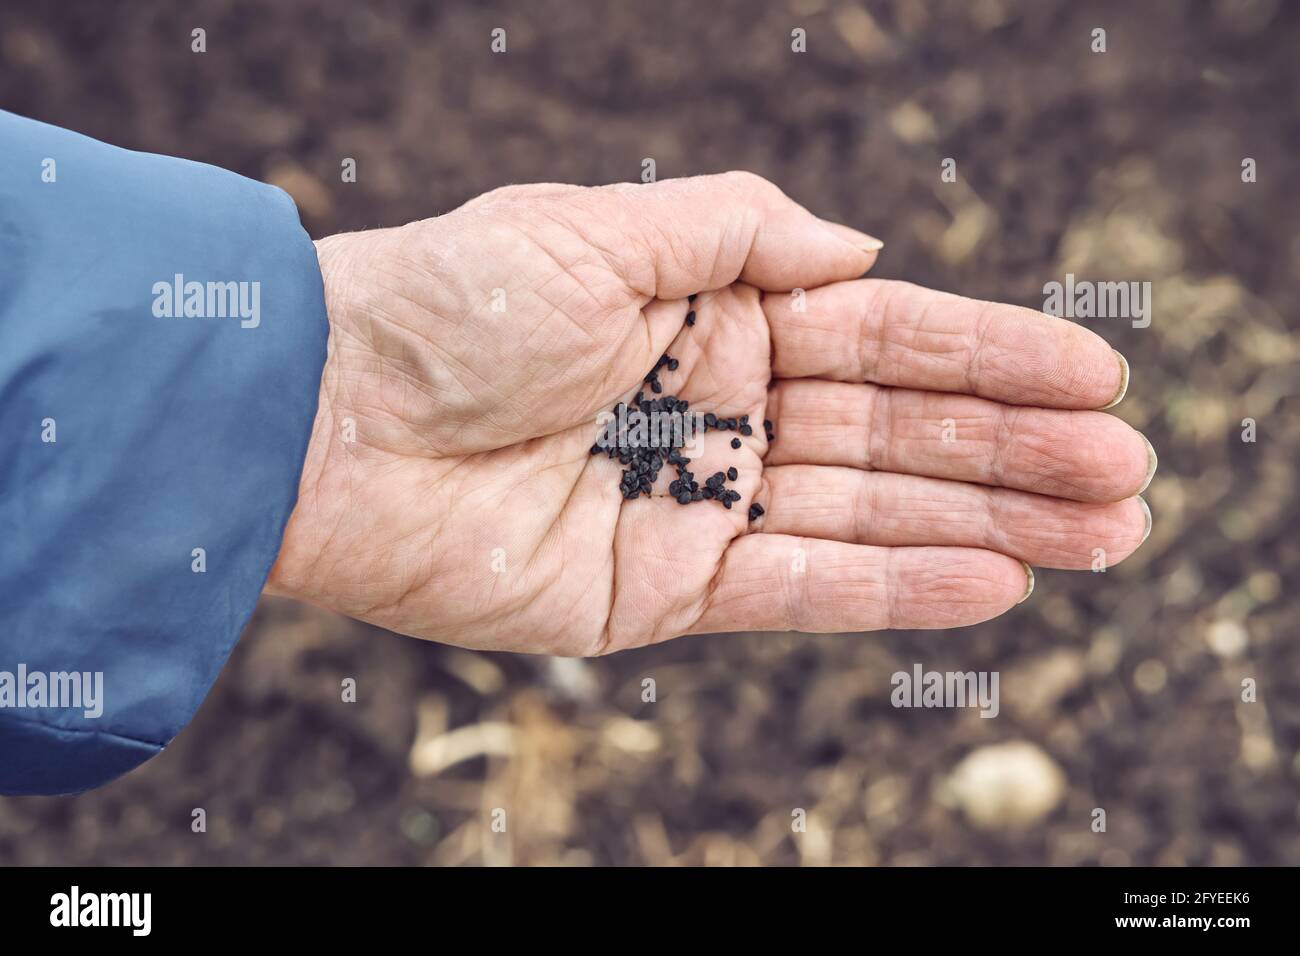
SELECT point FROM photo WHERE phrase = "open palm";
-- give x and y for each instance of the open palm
(926, 445)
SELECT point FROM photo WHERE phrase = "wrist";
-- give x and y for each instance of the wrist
(294, 574)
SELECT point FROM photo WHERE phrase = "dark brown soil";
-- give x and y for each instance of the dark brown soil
(1124, 165)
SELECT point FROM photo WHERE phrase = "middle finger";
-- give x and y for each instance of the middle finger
(1080, 455)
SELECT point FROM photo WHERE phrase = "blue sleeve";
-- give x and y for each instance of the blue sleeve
(162, 332)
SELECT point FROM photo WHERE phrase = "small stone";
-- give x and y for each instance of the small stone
(1007, 786)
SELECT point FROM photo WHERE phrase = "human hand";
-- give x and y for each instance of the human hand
(926, 445)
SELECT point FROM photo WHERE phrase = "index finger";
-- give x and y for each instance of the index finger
(897, 333)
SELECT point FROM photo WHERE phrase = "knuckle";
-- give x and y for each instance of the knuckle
(749, 184)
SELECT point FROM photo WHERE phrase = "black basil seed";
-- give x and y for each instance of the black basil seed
(643, 460)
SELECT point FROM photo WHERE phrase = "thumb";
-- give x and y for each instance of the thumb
(690, 235)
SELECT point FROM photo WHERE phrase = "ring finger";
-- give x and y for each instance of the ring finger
(878, 508)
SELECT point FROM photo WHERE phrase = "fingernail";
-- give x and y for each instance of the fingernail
(860, 239)
(1123, 381)
(1029, 587)
(1146, 510)
(1151, 465)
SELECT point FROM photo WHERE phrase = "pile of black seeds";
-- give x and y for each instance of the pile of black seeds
(642, 461)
